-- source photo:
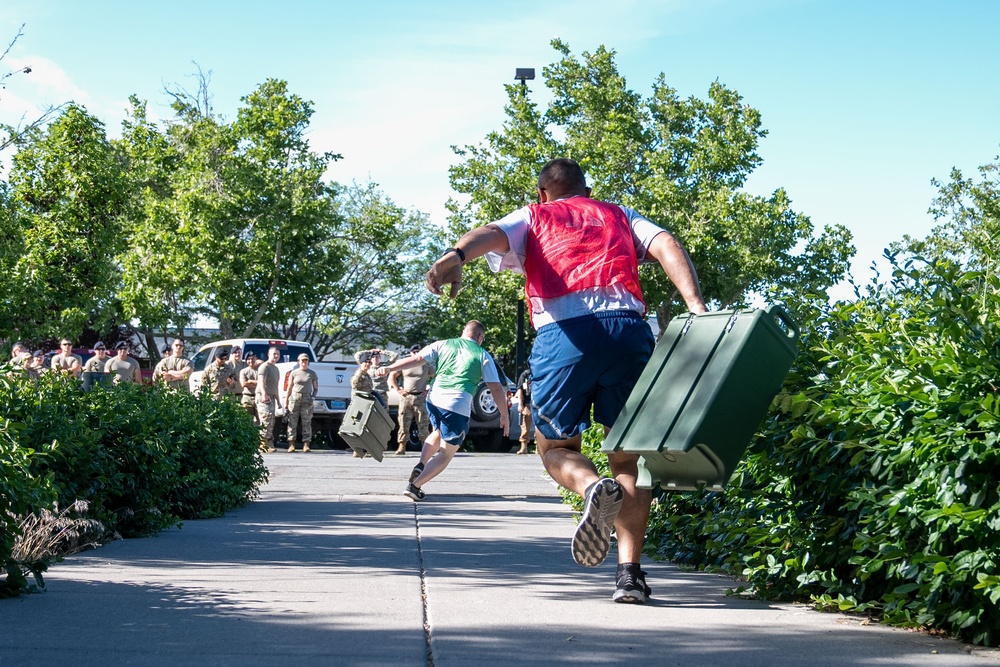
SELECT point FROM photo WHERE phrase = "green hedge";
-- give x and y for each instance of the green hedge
(873, 485)
(143, 458)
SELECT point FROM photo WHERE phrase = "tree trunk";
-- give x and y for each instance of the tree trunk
(266, 301)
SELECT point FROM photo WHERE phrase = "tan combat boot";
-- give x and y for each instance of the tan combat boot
(291, 448)
(305, 447)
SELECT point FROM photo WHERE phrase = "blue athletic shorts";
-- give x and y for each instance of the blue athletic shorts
(453, 426)
(590, 360)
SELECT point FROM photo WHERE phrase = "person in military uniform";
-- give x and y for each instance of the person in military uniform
(411, 384)
(124, 368)
(174, 369)
(237, 364)
(218, 375)
(524, 409)
(37, 364)
(158, 368)
(248, 384)
(18, 350)
(266, 397)
(378, 359)
(361, 381)
(66, 361)
(303, 384)
(100, 359)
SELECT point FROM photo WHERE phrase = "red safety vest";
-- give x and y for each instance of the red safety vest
(579, 243)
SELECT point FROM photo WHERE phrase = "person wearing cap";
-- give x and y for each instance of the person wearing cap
(66, 361)
(266, 397)
(411, 385)
(248, 384)
(218, 376)
(37, 364)
(378, 358)
(237, 364)
(97, 362)
(125, 369)
(175, 368)
(303, 383)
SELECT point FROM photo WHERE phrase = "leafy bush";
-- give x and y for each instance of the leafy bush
(22, 491)
(142, 458)
(873, 484)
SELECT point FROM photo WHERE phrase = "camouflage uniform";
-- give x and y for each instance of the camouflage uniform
(362, 382)
(301, 389)
(413, 404)
(215, 378)
(266, 397)
(247, 397)
(381, 385)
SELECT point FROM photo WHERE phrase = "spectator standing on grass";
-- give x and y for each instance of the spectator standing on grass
(266, 397)
(218, 376)
(580, 260)
(125, 369)
(66, 361)
(303, 383)
(459, 366)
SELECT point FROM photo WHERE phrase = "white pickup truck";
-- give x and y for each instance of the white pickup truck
(334, 377)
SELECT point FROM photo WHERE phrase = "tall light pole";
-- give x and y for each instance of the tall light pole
(522, 74)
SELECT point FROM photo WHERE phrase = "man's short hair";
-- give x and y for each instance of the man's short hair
(474, 328)
(562, 175)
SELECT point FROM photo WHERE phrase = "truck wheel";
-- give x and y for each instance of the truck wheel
(484, 408)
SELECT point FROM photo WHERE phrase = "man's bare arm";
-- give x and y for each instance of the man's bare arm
(474, 243)
(678, 266)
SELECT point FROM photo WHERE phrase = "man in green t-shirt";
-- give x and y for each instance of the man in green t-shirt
(459, 365)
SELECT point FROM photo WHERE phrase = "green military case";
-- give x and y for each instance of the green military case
(702, 396)
(367, 425)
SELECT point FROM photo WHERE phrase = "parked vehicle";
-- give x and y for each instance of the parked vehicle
(334, 393)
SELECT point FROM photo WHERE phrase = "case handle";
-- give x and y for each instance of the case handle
(782, 317)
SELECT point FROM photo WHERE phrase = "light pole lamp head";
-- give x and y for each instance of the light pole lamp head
(523, 74)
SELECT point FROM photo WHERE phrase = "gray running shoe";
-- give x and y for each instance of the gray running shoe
(414, 492)
(593, 536)
(630, 585)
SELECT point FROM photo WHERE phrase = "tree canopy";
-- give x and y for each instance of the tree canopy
(682, 162)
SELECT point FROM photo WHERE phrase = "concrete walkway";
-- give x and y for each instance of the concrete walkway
(333, 566)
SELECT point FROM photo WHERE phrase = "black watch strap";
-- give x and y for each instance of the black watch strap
(461, 255)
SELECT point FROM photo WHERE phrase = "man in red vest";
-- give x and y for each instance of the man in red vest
(580, 258)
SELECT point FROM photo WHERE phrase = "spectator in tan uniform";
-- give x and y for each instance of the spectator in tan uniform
(266, 397)
(124, 368)
(66, 361)
(176, 368)
(97, 362)
(303, 383)
(411, 385)
(217, 377)
(248, 384)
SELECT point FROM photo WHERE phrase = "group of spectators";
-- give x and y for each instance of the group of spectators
(120, 367)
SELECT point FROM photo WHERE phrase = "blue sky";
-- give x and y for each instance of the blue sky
(865, 102)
